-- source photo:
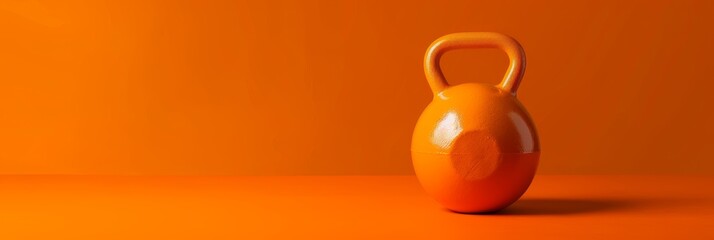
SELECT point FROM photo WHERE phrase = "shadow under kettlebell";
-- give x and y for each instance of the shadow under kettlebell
(555, 206)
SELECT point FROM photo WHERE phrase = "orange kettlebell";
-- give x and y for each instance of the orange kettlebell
(475, 148)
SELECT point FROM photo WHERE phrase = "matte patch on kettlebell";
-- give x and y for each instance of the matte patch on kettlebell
(475, 155)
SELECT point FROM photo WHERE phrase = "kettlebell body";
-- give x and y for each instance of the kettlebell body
(475, 148)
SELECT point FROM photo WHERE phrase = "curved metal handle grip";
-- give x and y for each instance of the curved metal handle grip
(517, 57)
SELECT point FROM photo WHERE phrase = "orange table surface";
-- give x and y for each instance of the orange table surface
(339, 207)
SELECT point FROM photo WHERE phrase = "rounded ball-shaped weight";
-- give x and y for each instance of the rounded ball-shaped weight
(475, 148)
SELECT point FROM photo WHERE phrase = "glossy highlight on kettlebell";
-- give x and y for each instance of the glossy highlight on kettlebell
(475, 148)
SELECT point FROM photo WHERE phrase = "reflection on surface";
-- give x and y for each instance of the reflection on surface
(523, 131)
(446, 130)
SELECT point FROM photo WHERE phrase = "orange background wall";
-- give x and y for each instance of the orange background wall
(335, 87)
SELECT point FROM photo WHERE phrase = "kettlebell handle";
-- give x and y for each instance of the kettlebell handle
(513, 49)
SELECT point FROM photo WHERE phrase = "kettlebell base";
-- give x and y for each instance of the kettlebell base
(463, 194)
